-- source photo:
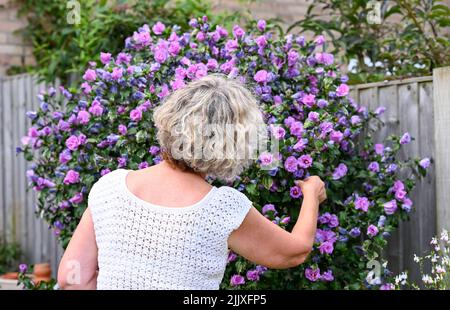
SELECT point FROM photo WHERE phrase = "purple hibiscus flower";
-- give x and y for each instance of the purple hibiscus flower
(390, 207)
(312, 274)
(305, 161)
(362, 203)
(372, 230)
(71, 177)
(295, 191)
(291, 164)
(237, 280)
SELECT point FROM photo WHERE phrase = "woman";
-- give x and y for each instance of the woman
(166, 227)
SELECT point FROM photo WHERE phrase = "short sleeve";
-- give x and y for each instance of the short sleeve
(238, 206)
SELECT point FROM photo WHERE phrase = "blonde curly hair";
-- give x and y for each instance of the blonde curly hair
(212, 126)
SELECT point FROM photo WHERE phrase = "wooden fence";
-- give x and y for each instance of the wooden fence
(18, 221)
(410, 107)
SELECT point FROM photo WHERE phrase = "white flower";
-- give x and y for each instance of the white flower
(434, 259)
(440, 269)
(433, 241)
(427, 279)
(437, 248)
(416, 258)
(444, 235)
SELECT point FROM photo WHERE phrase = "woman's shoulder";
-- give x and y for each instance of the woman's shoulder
(107, 181)
(232, 193)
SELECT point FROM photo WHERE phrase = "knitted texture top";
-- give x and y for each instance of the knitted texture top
(147, 246)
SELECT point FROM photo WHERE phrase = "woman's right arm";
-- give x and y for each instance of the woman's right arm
(265, 243)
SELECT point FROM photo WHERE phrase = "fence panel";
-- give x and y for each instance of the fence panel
(409, 106)
(18, 221)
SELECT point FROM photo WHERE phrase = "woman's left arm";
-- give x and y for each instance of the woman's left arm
(78, 266)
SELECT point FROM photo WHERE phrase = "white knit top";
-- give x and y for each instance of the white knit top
(147, 246)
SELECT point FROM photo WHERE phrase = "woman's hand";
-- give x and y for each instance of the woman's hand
(313, 187)
(265, 243)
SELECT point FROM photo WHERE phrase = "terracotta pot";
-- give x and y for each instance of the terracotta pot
(10, 276)
(42, 270)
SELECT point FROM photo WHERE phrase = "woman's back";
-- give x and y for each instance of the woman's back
(142, 245)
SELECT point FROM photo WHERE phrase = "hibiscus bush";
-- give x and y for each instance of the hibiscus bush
(78, 135)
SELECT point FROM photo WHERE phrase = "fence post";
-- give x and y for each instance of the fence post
(441, 94)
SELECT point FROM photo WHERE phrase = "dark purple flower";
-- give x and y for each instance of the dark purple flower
(355, 232)
(374, 167)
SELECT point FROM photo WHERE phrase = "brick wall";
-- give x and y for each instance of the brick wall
(13, 49)
(286, 10)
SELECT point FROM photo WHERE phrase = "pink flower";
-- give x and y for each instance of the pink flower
(296, 129)
(291, 164)
(116, 73)
(174, 48)
(278, 132)
(390, 207)
(96, 108)
(71, 177)
(105, 58)
(90, 75)
(72, 143)
(326, 247)
(122, 129)
(312, 274)
(309, 100)
(342, 90)
(372, 230)
(237, 280)
(362, 203)
(136, 115)
(266, 159)
(261, 76)
(305, 161)
(261, 24)
(158, 28)
(83, 117)
(77, 198)
(238, 31)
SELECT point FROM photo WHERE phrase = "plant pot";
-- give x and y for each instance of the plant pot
(10, 276)
(42, 270)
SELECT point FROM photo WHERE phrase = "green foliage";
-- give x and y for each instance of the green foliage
(62, 49)
(411, 39)
(10, 254)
